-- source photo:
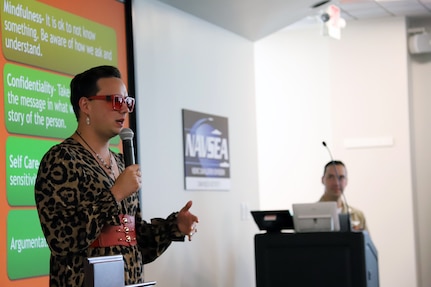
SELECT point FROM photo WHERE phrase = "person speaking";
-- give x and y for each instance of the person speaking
(87, 198)
(335, 180)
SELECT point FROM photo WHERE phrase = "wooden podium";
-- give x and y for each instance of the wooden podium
(323, 259)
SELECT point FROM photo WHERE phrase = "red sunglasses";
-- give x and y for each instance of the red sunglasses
(117, 101)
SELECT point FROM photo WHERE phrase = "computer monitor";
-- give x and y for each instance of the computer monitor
(316, 217)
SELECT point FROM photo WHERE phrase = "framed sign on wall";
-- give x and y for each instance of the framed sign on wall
(206, 151)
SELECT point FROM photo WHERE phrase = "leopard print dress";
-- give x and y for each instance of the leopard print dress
(74, 202)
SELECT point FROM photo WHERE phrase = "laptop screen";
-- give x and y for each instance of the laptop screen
(273, 220)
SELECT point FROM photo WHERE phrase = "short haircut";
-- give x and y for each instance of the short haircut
(85, 84)
(333, 162)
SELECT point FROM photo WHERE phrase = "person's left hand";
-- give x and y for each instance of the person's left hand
(186, 221)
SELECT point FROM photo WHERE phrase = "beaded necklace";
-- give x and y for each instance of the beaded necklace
(101, 160)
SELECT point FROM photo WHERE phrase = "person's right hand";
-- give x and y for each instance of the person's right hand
(127, 183)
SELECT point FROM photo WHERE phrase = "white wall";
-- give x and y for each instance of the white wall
(341, 91)
(370, 89)
(420, 67)
(308, 89)
(293, 116)
(185, 63)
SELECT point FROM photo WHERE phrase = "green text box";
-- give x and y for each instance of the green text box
(27, 250)
(43, 36)
(23, 156)
(37, 102)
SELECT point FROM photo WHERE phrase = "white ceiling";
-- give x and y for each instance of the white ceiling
(256, 19)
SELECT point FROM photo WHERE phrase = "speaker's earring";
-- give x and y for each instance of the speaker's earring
(87, 120)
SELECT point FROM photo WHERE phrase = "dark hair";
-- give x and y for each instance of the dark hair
(85, 84)
(333, 162)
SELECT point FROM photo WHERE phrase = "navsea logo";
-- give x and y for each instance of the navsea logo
(206, 151)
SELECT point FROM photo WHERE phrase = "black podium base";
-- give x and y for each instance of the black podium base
(320, 259)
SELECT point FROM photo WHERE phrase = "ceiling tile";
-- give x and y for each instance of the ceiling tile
(369, 13)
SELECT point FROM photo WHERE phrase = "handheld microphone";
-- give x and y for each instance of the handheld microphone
(349, 226)
(126, 136)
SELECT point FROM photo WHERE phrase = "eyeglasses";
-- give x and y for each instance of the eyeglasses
(117, 101)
